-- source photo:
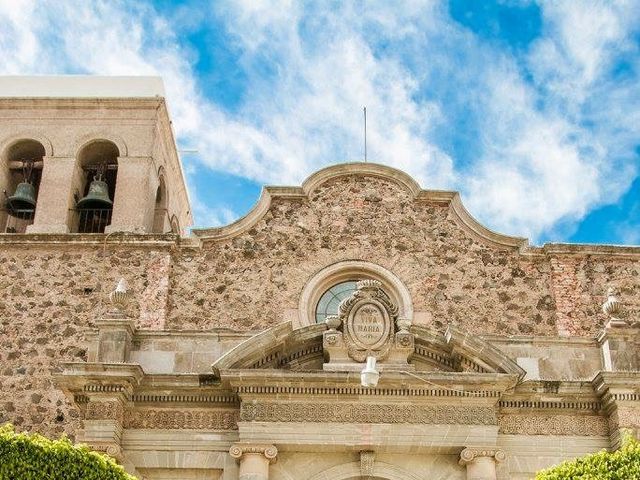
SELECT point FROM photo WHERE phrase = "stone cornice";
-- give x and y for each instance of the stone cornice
(613, 387)
(88, 379)
(365, 391)
(587, 249)
(439, 384)
(134, 240)
(120, 103)
(551, 404)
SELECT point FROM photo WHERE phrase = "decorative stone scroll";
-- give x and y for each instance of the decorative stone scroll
(239, 449)
(470, 454)
(367, 413)
(367, 326)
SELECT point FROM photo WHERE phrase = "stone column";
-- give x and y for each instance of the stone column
(55, 196)
(254, 460)
(619, 393)
(481, 462)
(134, 202)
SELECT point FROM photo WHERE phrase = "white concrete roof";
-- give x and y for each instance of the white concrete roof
(87, 86)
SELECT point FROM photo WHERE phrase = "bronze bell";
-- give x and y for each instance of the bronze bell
(22, 204)
(97, 198)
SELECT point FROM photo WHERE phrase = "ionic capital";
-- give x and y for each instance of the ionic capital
(238, 450)
(472, 454)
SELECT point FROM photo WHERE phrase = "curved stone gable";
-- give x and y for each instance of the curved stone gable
(405, 189)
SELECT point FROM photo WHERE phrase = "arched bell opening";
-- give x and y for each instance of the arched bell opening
(95, 186)
(20, 177)
(161, 221)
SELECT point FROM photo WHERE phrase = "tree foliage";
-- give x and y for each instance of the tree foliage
(30, 456)
(623, 464)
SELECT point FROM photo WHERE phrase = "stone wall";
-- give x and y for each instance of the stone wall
(249, 281)
(52, 287)
(50, 296)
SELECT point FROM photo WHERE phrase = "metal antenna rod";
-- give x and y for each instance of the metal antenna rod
(365, 133)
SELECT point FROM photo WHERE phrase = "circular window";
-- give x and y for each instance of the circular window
(330, 300)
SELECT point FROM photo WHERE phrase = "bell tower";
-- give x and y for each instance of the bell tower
(89, 155)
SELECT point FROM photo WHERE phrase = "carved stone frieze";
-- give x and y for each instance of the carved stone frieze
(539, 424)
(208, 419)
(367, 413)
(625, 418)
(107, 410)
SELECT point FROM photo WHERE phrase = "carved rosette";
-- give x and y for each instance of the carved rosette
(270, 452)
(471, 454)
(368, 317)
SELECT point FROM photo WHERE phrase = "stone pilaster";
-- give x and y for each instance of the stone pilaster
(55, 196)
(134, 202)
(254, 460)
(620, 396)
(481, 462)
(103, 422)
(102, 392)
(115, 335)
(619, 344)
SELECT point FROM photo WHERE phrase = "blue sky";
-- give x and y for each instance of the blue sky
(530, 109)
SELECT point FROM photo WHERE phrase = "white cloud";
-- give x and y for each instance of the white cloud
(556, 133)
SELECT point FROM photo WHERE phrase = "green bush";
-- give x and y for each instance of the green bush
(623, 464)
(25, 456)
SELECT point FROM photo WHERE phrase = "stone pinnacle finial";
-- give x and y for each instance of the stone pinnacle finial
(612, 305)
(120, 297)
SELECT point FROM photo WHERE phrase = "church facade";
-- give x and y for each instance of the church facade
(354, 327)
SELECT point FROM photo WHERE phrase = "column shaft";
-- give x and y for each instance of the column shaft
(133, 205)
(55, 196)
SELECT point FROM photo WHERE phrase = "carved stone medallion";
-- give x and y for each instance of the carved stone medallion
(368, 325)
(368, 316)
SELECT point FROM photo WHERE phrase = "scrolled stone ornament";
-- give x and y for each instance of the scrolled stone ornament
(113, 450)
(271, 452)
(467, 455)
(333, 322)
(235, 451)
(403, 325)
